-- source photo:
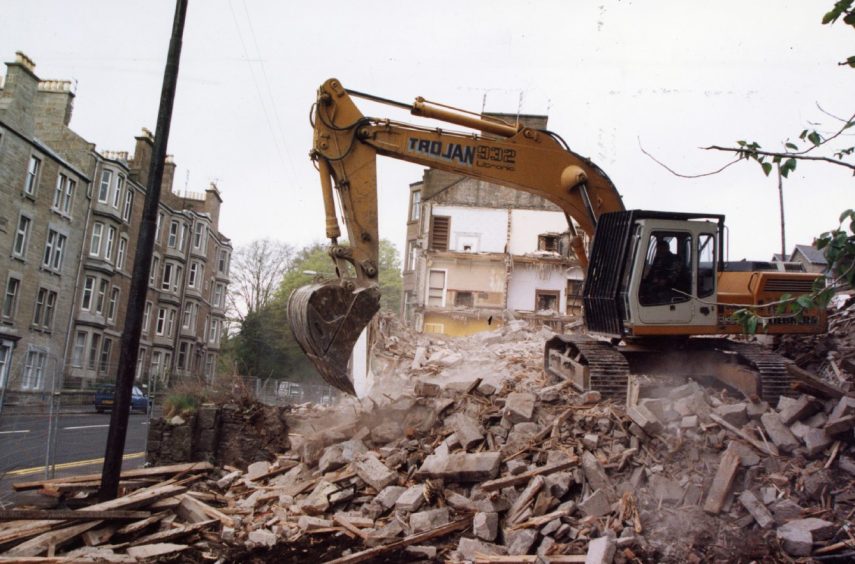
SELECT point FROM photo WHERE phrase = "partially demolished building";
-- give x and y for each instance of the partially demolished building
(479, 254)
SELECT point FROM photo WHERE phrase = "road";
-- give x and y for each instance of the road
(81, 437)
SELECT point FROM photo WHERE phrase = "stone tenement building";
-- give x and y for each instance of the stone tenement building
(69, 224)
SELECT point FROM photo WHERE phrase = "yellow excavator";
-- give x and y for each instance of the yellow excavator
(658, 292)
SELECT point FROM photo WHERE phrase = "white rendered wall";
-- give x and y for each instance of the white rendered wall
(526, 225)
(485, 229)
(526, 278)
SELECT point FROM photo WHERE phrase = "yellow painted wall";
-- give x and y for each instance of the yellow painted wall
(461, 327)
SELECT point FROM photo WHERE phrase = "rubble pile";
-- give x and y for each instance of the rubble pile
(503, 466)
(831, 355)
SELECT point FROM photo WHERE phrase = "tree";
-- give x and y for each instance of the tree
(315, 261)
(256, 273)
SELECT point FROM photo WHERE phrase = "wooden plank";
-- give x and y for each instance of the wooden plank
(47, 560)
(70, 514)
(284, 467)
(138, 498)
(152, 550)
(765, 448)
(40, 544)
(370, 553)
(812, 385)
(501, 483)
(481, 558)
(200, 506)
(341, 520)
(101, 535)
(135, 473)
(132, 528)
(722, 482)
(171, 534)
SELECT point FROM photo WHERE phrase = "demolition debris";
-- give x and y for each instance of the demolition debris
(467, 452)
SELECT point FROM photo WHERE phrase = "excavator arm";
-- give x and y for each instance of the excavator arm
(328, 317)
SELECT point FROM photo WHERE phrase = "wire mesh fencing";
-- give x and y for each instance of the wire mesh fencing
(55, 417)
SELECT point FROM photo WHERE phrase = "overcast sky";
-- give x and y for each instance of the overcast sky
(674, 75)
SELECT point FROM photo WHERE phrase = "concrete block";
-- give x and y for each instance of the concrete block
(519, 407)
(736, 414)
(375, 473)
(388, 496)
(467, 430)
(795, 542)
(257, 469)
(756, 410)
(591, 441)
(596, 505)
(263, 537)
(816, 441)
(427, 520)
(847, 464)
(520, 541)
(757, 510)
(412, 499)
(785, 510)
(819, 528)
(485, 526)
(801, 408)
(601, 551)
(594, 473)
(386, 432)
(468, 548)
(778, 432)
(309, 523)
(461, 467)
(645, 419)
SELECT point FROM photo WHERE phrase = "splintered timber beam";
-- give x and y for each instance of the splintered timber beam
(127, 474)
(69, 514)
(370, 553)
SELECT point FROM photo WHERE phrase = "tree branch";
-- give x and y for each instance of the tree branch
(797, 156)
(675, 173)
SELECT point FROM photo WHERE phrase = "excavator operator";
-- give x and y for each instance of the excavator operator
(665, 274)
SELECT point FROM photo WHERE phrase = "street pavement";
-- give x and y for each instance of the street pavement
(80, 445)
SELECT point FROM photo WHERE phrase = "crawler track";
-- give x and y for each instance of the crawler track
(606, 369)
(771, 369)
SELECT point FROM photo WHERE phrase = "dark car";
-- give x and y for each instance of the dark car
(104, 399)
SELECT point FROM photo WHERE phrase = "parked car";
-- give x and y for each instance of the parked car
(104, 399)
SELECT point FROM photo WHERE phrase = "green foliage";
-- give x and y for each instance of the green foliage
(265, 346)
(180, 403)
(838, 245)
(391, 281)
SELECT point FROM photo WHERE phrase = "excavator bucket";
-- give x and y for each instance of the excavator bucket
(327, 319)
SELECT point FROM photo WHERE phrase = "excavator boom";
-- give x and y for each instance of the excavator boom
(328, 317)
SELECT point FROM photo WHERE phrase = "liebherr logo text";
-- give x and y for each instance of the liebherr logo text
(485, 155)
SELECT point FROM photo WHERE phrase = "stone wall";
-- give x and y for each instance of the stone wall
(231, 434)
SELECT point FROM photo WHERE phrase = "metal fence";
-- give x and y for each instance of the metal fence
(54, 420)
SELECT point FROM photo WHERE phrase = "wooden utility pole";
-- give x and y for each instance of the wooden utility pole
(783, 225)
(142, 265)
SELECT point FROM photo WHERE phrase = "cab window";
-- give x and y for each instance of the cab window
(706, 265)
(667, 277)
